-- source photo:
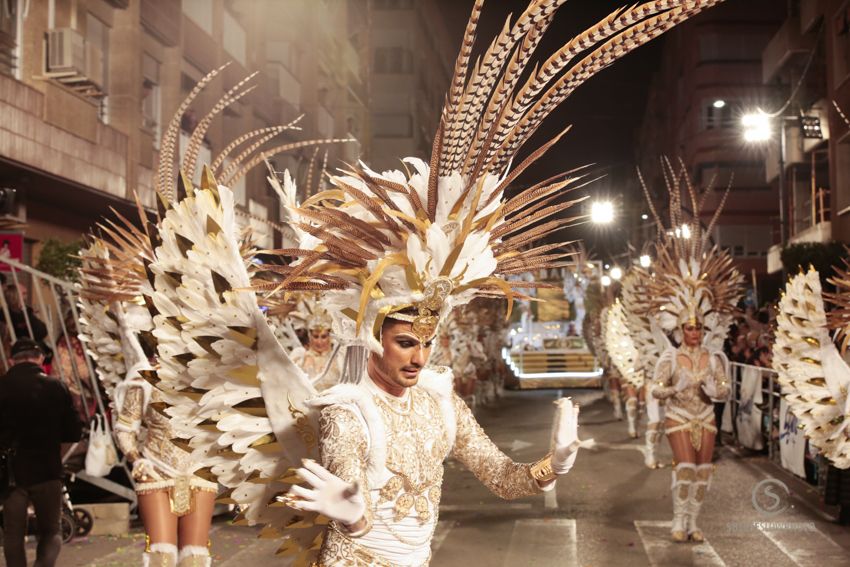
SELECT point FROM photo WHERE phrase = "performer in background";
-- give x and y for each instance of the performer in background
(319, 359)
(693, 296)
(688, 378)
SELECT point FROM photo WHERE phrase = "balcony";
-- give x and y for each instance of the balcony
(288, 85)
(821, 232)
(787, 45)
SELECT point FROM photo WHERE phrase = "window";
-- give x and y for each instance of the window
(730, 46)
(200, 12)
(747, 174)
(235, 39)
(744, 240)
(97, 48)
(714, 118)
(393, 60)
(8, 36)
(151, 96)
(204, 155)
(392, 125)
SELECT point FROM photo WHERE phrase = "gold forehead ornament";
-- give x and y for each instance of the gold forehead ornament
(427, 320)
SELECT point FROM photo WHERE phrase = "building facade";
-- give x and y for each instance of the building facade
(87, 87)
(710, 75)
(412, 59)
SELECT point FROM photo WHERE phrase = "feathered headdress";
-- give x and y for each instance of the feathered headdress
(411, 245)
(694, 281)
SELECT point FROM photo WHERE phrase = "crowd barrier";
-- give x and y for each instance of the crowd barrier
(758, 418)
(54, 301)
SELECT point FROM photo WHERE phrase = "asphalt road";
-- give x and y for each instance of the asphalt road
(610, 509)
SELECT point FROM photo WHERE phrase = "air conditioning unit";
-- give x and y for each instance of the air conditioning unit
(66, 52)
(94, 65)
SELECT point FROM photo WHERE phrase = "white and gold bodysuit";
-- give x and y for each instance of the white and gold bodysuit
(142, 432)
(314, 364)
(689, 393)
(395, 448)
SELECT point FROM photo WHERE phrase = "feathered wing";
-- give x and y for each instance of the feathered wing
(621, 348)
(98, 327)
(649, 340)
(234, 397)
(813, 375)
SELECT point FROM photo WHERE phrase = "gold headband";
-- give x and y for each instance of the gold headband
(426, 321)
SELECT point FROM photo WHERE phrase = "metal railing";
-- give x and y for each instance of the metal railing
(55, 306)
(770, 403)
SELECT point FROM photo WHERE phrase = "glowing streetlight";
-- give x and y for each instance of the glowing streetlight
(719, 103)
(756, 126)
(605, 281)
(602, 212)
(645, 261)
(686, 231)
(616, 273)
(644, 216)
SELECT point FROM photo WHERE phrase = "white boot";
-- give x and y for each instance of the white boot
(194, 556)
(160, 555)
(696, 497)
(618, 408)
(684, 475)
(631, 415)
(652, 435)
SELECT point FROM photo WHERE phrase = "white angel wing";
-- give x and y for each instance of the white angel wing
(621, 348)
(646, 333)
(98, 326)
(234, 396)
(813, 376)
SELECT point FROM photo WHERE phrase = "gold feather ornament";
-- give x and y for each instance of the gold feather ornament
(445, 225)
(408, 245)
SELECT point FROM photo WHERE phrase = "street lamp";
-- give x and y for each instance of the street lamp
(719, 103)
(756, 126)
(601, 212)
(616, 273)
(645, 261)
(605, 281)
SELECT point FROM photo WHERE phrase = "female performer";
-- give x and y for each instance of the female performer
(689, 378)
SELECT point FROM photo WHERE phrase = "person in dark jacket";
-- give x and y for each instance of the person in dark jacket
(37, 415)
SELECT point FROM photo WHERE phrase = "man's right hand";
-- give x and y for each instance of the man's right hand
(330, 495)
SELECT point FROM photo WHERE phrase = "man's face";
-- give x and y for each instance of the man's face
(404, 357)
(320, 340)
(692, 334)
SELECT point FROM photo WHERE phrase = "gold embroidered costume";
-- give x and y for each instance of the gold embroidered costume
(167, 466)
(403, 498)
(685, 377)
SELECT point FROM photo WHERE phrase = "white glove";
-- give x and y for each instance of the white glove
(565, 443)
(330, 495)
(144, 470)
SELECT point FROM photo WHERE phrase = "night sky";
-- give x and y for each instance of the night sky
(605, 112)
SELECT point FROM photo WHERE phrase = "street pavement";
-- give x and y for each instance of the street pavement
(610, 509)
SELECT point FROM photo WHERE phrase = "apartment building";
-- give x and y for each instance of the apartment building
(710, 75)
(412, 59)
(812, 47)
(87, 86)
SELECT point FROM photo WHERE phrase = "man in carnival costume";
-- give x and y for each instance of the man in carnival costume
(392, 254)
